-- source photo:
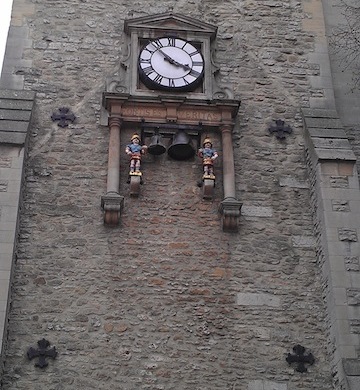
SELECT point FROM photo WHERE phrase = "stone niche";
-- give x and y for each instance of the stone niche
(127, 101)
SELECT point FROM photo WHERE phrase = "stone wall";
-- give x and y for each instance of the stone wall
(336, 199)
(167, 300)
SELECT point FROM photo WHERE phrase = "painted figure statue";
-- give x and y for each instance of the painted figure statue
(208, 155)
(135, 151)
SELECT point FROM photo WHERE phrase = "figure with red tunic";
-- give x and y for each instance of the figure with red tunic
(135, 151)
(208, 155)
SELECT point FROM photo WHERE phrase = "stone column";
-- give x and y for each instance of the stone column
(112, 202)
(113, 178)
(230, 206)
(228, 162)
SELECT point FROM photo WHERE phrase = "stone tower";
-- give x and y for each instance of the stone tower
(166, 276)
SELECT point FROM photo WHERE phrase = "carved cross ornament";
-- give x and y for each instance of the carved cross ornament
(42, 352)
(64, 116)
(280, 129)
(300, 358)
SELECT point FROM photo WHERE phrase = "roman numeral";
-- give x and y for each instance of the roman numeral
(171, 83)
(185, 81)
(198, 63)
(158, 79)
(148, 70)
(193, 53)
(157, 44)
(194, 73)
(145, 60)
(150, 48)
(171, 41)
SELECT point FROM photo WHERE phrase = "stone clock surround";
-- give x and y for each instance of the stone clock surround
(147, 28)
(217, 115)
(128, 101)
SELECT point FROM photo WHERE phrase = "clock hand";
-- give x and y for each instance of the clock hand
(167, 57)
(172, 61)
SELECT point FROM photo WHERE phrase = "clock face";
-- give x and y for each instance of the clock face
(171, 63)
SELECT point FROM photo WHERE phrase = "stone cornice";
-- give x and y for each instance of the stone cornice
(175, 109)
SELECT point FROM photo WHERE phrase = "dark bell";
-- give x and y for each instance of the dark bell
(181, 147)
(156, 147)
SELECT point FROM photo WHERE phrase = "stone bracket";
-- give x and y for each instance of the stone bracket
(112, 203)
(135, 182)
(208, 188)
(230, 209)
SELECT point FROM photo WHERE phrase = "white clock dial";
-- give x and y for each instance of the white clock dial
(171, 63)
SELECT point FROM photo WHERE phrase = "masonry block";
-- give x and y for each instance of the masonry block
(253, 299)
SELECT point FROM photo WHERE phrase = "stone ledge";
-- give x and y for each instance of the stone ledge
(13, 104)
(325, 123)
(12, 138)
(335, 154)
(15, 115)
(319, 113)
(326, 133)
(14, 126)
(333, 143)
(16, 94)
(352, 367)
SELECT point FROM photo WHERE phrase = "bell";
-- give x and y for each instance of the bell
(181, 147)
(156, 147)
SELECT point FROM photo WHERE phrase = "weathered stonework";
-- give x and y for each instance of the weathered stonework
(333, 181)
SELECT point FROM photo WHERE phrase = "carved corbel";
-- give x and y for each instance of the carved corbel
(112, 204)
(230, 210)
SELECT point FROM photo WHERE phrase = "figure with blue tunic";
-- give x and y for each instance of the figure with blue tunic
(135, 151)
(208, 155)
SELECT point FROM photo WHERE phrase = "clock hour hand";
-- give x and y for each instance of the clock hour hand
(184, 66)
(172, 61)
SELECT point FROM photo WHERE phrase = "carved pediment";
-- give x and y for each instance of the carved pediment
(170, 22)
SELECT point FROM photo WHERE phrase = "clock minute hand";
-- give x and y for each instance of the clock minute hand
(184, 66)
(167, 57)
